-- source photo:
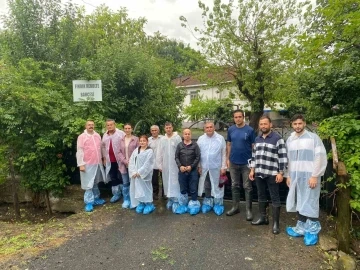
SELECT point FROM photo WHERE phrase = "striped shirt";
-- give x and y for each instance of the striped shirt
(269, 155)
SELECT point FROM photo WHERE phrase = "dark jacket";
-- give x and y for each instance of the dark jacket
(187, 155)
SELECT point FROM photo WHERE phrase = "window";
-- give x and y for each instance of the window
(193, 95)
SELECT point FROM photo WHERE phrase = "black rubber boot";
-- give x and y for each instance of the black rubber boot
(263, 220)
(276, 218)
(248, 198)
(235, 200)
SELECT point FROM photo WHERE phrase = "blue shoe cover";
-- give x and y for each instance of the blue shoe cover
(290, 231)
(219, 209)
(175, 206)
(99, 201)
(126, 204)
(310, 239)
(140, 208)
(148, 209)
(115, 198)
(194, 207)
(89, 207)
(182, 209)
(205, 208)
(169, 204)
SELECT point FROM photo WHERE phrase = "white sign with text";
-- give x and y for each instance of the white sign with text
(87, 90)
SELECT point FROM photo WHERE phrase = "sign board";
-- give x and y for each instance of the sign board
(87, 90)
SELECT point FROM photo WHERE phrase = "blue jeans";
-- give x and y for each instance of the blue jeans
(189, 181)
(125, 178)
(238, 173)
(273, 187)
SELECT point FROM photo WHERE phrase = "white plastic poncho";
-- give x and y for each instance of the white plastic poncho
(165, 161)
(115, 138)
(141, 187)
(89, 154)
(213, 159)
(307, 158)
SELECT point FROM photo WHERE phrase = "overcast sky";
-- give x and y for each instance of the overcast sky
(162, 15)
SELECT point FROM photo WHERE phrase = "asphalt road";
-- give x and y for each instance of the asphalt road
(163, 240)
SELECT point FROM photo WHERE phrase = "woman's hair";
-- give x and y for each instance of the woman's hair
(145, 137)
(127, 124)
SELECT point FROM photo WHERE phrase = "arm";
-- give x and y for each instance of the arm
(252, 163)
(177, 156)
(320, 162)
(282, 160)
(159, 155)
(132, 165)
(228, 150)
(197, 157)
(223, 157)
(80, 153)
(103, 149)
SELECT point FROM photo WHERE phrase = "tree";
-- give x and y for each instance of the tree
(250, 38)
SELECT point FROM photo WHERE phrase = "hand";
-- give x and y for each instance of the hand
(200, 170)
(104, 162)
(82, 168)
(288, 181)
(251, 175)
(312, 182)
(134, 175)
(182, 169)
(222, 171)
(279, 178)
(188, 168)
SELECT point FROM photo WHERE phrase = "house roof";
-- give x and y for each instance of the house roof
(192, 80)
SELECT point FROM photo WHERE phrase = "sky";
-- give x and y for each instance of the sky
(162, 15)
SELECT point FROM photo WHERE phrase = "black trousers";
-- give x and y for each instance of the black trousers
(155, 181)
(115, 174)
(273, 187)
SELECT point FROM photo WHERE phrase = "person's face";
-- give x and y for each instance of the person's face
(265, 126)
(169, 130)
(187, 135)
(209, 129)
(110, 126)
(127, 129)
(238, 118)
(143, 142)
(154, 132)
(298, 125)
(90, 126)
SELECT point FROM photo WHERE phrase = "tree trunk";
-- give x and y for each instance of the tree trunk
(343, 210)
(48, 205)
(14, 187)
(254, 120)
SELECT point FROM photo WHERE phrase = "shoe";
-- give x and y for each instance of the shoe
(140, 208)
(205, 208)
(219, 209)
(99, 201)
(310, 239)
(89, 207)
(115, 198)
(235, 194)
(248, 199)
(181, 209)
(263, 220)
(126, 204)
(276, 219)
(149, 208)
(290, 231)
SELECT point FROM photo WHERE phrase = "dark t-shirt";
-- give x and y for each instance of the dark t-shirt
(241, 140)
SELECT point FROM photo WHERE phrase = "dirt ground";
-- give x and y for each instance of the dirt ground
(37, 232)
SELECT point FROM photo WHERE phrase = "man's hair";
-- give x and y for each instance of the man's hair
(297, 117)
(240, 111)
(209, 122)
(167, 123)
(110, 120)
(154, 126)
(265, 117)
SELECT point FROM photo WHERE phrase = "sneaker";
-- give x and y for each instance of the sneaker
(126, 204)
(115, 198)
(89, 207)
(140, 208)
(149, 208)
(99, 201)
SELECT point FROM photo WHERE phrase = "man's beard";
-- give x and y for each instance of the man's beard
(265, 131)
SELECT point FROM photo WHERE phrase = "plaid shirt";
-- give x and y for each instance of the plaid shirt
(269, 155)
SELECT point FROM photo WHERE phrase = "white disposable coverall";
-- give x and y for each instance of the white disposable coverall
(141, 187)
(213, 159)
(165, 160)
(307, 158)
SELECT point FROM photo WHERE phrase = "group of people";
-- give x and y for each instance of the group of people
(189, 169)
